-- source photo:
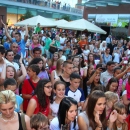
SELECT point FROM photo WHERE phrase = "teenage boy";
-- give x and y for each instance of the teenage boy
(11, 84)
(74, 90)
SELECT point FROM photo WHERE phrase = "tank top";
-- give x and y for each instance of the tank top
(85, 117)
(44, 111)
(20, 122)
(67, 83)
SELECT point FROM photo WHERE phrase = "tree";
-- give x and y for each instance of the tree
(27, 15)
(66, 17)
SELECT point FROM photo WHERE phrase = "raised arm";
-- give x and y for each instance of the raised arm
(6, 31)
(26, 34)
(24, 72)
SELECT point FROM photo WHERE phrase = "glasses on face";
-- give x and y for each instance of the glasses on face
(49, 87)
(44, 127)
(15, 46)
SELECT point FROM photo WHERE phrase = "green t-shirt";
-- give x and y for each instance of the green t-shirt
(57, 44)
(38, 29)
(48, 41)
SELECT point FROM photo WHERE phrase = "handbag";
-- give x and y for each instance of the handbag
(53, 49)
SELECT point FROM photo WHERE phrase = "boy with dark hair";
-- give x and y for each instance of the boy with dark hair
(11, 84)
(74, 90)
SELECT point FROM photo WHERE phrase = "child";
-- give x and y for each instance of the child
(39, 122)
(34, 44)
(59, 90)
(11, 84)
(74, 90)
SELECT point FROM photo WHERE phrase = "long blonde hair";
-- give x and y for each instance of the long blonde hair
(118, 106)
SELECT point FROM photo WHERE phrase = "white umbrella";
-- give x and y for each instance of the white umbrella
(82, 25)
(61, 22)
(44, 22)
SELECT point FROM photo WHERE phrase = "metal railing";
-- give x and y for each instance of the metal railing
(53, 5)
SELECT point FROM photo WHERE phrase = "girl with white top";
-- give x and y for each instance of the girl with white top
(59, 90)
(57, 72)
(66, 118)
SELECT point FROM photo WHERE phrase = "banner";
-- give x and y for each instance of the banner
(107, 18)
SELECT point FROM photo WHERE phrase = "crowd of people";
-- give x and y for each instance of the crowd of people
(55, 80)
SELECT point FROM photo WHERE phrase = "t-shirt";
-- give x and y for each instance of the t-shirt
(54, 125)
(47, 43)
(27, 89)
(82, 43)
(38, 30)
(54, 107)
(19, 101)
(78, 95)
(21, 48)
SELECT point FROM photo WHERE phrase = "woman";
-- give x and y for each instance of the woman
(52, 63)
(111, 99)
(40, 102)
(66, 115)
(94, 118)
(58, 71)
(10, 72)
(91, 60)
(112, 85)
(43, 73)
(119, 123)
(9, 119)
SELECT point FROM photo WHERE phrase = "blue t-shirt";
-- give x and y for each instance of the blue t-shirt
(6, 45)
(19, 101)
(78, 95)
(21, 44)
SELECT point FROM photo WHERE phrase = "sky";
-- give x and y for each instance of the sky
(71, 2)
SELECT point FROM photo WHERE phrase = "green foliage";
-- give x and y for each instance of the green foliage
(27, 15)
(66, 17)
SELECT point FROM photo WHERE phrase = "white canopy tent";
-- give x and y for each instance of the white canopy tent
(61, 22)
(82, 25)
(44, 22)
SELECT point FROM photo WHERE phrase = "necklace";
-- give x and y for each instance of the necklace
(9, 119)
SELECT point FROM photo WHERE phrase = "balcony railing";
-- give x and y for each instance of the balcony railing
(53, 5)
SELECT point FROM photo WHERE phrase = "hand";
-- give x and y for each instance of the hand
(113, 116)
(127, 70)
(21, 58)
(97, 119)
(98, 71)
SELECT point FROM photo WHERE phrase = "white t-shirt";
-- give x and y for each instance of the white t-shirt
(14, 64)
(124, 93)
(54, 125)
(86, 52)
(63, 58)
(116, 57)
(54, 107)
(62, 40)
(22, 34)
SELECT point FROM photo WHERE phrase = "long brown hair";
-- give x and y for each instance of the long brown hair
(92, 100)
(118, 106)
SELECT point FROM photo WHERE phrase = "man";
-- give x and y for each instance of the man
(62, 40)
(109, 39)
(108, 74)
(21, 42)
(48, 41)
(106, 57)
(112, 46)
(14, 48)
(83, 41)
(38, 29)
(67, 70)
